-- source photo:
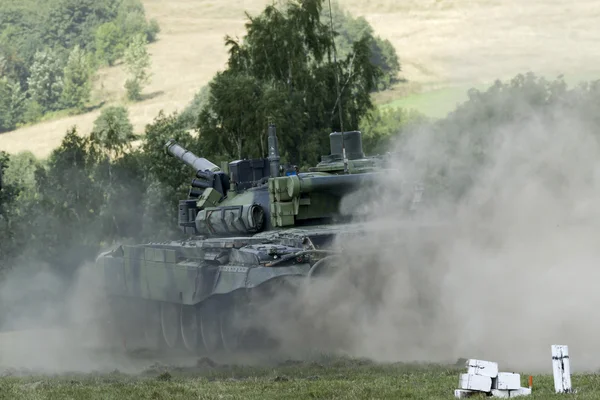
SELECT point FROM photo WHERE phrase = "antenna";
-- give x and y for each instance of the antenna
(337, 87)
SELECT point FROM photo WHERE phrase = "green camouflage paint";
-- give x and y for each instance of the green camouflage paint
(246, 226)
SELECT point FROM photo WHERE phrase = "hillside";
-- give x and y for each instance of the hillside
(441, 43)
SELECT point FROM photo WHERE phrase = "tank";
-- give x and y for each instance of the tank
(252, 229)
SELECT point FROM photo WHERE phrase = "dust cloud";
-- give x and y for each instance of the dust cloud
(500, 271)
(53, 325)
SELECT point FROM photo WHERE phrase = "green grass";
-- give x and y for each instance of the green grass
(334, 379)
(435, 103)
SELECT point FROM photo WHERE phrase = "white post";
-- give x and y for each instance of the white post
(561, 368)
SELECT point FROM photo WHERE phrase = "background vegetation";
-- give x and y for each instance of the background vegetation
(50, 50)
(112, 185)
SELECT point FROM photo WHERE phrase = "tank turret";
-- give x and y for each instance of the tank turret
(255, 196)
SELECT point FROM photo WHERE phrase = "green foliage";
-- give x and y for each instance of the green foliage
(68, 204)
(350, 30)
(133, 89)
(46, 80)
(70, 23)
(119, 216)
(91, 192)
(137, 62)
(112, 38)
(283, 73)
(191, 112)
(33, 111)
(168, 177)
(21, 31)
(20, 171)
(152, 30)
(109, 45)
(131, 20)
(113, 132)
(381, 126)
(38, 38)
(12, 104)
(168, 171)
(12, 66)
(231, 121)
(77, 80)
(18, 207)
(8, 233)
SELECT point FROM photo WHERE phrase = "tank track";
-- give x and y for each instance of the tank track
(222, 324)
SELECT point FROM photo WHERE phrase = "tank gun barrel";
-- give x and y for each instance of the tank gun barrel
(198, 163)
(209, 175)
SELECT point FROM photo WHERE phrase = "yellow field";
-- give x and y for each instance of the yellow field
(440, 43)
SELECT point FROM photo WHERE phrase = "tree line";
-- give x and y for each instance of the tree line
(49, 52)
(113, 186)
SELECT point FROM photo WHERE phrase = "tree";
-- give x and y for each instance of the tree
(6, 190)
(382, 125)
(8, 193)
(112, 130)
(235, 124)
(137, 62)
(284, 73)
(13, 65)
(350, 30)
(68, 205)
(77, 80)
(131, 20)
(109, 45)
(152, 30)
(190, 114)
(37, 37)
(68, 23)
(168, 178)
(46, 80)
(12, 104)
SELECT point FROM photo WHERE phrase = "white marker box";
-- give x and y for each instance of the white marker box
(507, 381)
(520, 392)
(483, 368)
(475, 382)
(502, 394)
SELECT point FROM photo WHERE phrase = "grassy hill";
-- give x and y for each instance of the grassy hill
(445, 47)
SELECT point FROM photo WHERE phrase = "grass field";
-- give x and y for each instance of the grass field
(326, 379)
(437, 102)
(434, 103)
(442, 44)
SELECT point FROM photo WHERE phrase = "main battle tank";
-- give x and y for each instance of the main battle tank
(253, 228)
